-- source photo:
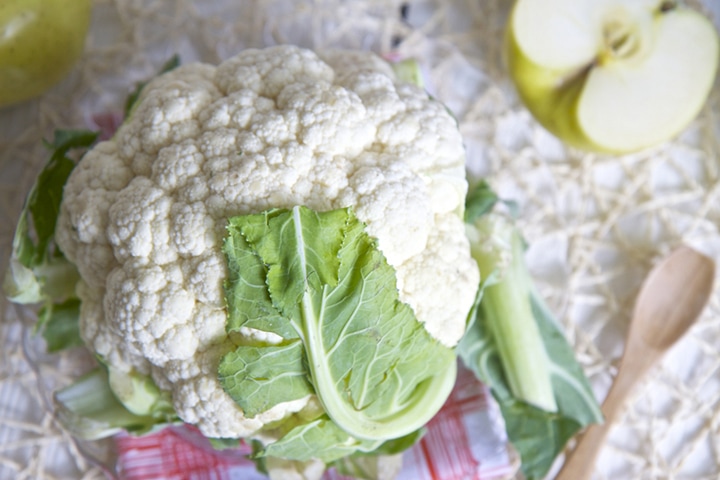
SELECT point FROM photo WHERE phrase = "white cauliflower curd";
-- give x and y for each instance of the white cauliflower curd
(144, 214)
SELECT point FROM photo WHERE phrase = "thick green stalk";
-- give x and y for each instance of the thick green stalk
(508, 316)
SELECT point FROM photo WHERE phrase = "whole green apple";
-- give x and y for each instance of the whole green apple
(612, 76)
(40, 40)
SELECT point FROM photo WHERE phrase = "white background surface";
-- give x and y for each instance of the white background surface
(596, 224)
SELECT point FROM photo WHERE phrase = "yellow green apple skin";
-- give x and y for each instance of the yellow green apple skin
(553, 104)
(40, 41)
(638, 82)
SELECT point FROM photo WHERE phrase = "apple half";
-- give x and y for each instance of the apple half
(611, 76)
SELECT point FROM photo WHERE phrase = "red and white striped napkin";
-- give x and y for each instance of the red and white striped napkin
(465, 441)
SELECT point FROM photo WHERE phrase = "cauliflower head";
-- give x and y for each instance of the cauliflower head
(144, 214)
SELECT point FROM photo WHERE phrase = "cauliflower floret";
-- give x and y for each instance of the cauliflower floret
(144, 214)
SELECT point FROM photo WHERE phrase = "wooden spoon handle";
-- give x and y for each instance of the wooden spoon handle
(580, 462)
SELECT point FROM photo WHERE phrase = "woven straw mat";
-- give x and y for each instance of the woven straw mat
(596, 224)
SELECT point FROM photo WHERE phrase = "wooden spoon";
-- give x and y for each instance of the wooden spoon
(671, 299)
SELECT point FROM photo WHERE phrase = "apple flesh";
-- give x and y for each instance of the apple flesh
(612, 76)
(40, 40)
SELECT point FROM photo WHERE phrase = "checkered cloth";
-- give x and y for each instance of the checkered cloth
(464, 441)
